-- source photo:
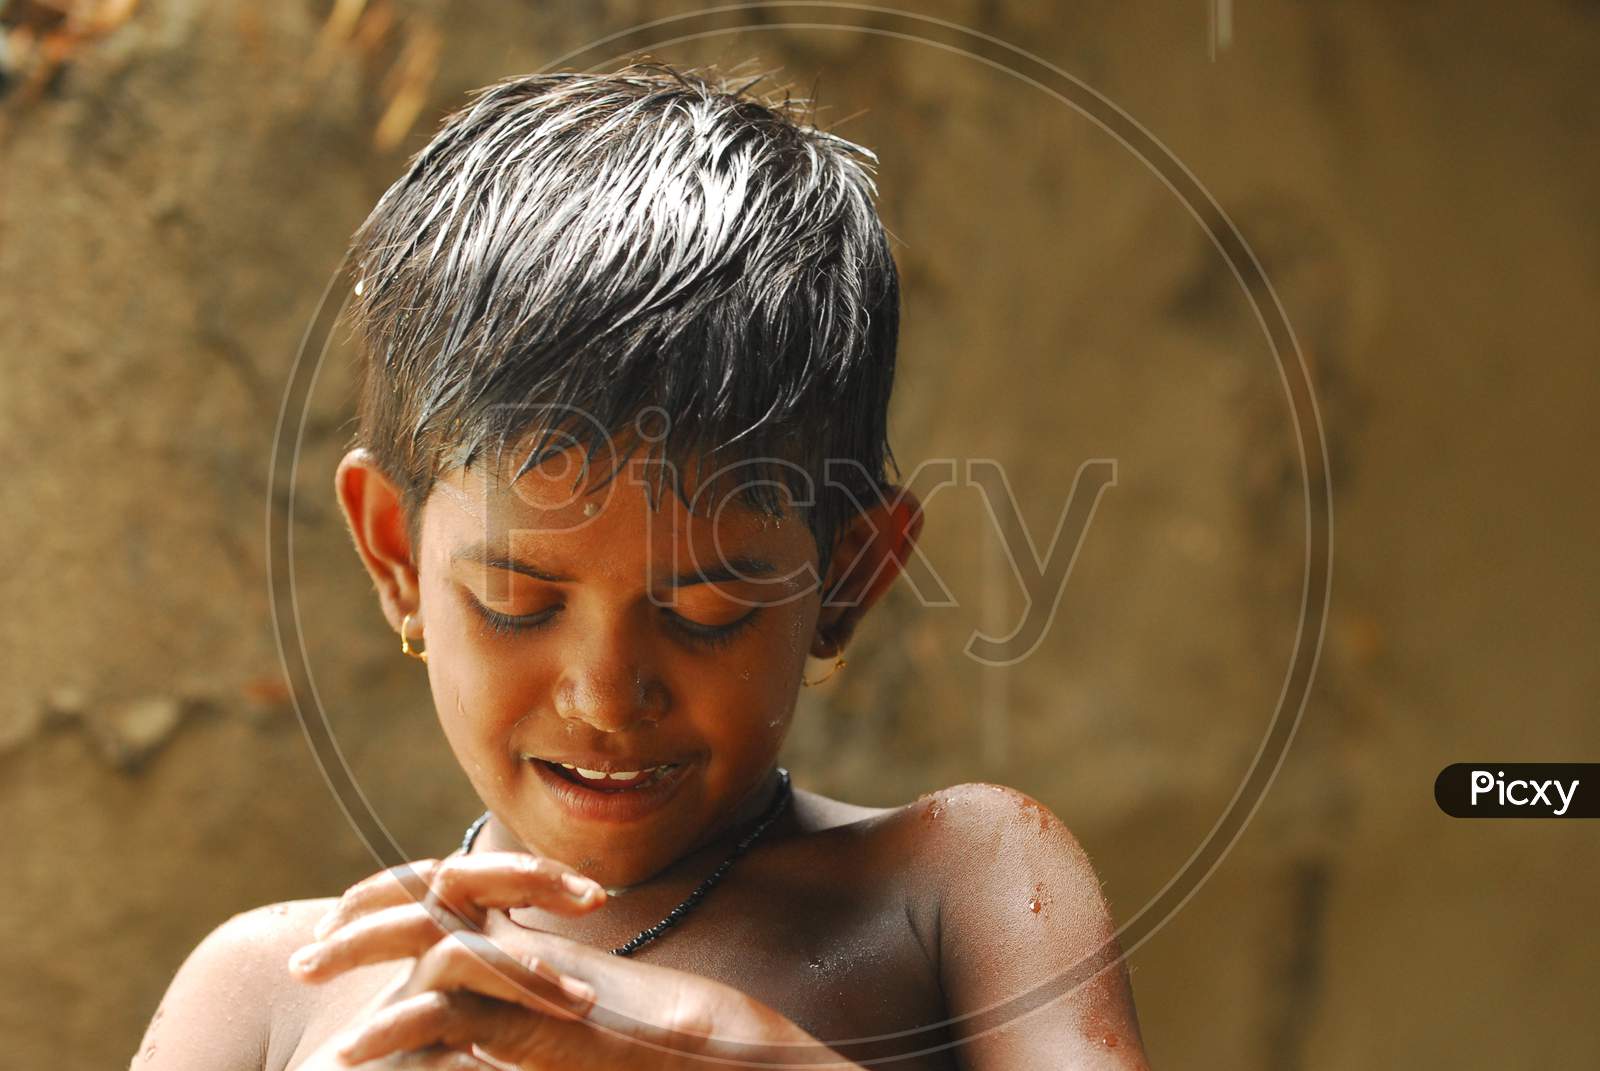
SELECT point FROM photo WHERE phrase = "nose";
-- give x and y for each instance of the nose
(606, 683)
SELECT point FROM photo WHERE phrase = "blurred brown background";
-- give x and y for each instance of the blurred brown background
(177, 181)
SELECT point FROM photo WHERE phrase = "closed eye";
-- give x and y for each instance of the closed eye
(708, 635)
(695, 632)
(505, 624)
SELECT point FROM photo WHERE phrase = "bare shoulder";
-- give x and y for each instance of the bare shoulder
(233, 1005)
(946, 833)
(1022, 924)
(816, 813)
(954, 830)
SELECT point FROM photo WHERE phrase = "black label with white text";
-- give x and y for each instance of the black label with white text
(1519, 790)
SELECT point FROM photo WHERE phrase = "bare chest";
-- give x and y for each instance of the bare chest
(841, 953)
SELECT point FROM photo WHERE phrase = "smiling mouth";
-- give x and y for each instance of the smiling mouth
(602, 781)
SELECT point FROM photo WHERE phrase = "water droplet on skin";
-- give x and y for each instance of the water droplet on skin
(1034, 904)
(932, 811)
(1111, 1041)
(275, 909)
(1026, 805)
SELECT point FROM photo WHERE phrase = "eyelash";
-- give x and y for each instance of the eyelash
(711, 636)
(506, 624)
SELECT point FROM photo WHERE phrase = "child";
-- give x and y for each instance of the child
(629, 343)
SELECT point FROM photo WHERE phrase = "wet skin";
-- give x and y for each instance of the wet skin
(615, 636)
(621, 634)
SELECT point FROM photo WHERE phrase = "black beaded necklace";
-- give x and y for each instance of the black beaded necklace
(676, 914)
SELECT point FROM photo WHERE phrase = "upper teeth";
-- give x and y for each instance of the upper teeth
(600, 775)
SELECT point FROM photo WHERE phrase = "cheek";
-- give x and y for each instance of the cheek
(479, 689)
(761, 695)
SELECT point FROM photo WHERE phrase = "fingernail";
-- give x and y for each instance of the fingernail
(581, 887)
(305, 959)
(579, 991)
(348, 1046)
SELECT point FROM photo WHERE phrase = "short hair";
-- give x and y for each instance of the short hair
(571, 250)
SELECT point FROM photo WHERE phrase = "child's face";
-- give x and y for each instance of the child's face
(586, 627)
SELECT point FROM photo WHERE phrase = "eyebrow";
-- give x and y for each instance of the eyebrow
(739, 567)
(481, 555)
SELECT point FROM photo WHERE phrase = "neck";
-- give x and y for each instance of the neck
(712, 847)
(720, 839)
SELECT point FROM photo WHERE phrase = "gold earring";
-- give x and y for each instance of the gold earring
(405, 640)
(838, 664)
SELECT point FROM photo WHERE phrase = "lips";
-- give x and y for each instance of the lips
(607, 799)
(611, 781)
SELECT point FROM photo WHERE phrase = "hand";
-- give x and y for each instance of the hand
(552, 1003)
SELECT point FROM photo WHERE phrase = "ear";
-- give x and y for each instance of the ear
(869, 554)
(373, 510)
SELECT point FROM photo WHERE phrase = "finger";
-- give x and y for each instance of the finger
(471, 961)
(436, 1058)
(435, 1019)
(473, 884)
(468, 885)
(402, 932)
(406, 883)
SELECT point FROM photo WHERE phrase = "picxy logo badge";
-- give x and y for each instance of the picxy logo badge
(1518, 790)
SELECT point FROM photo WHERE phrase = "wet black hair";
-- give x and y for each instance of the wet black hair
(574, 252)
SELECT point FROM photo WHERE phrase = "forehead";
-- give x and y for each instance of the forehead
(624, 510)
